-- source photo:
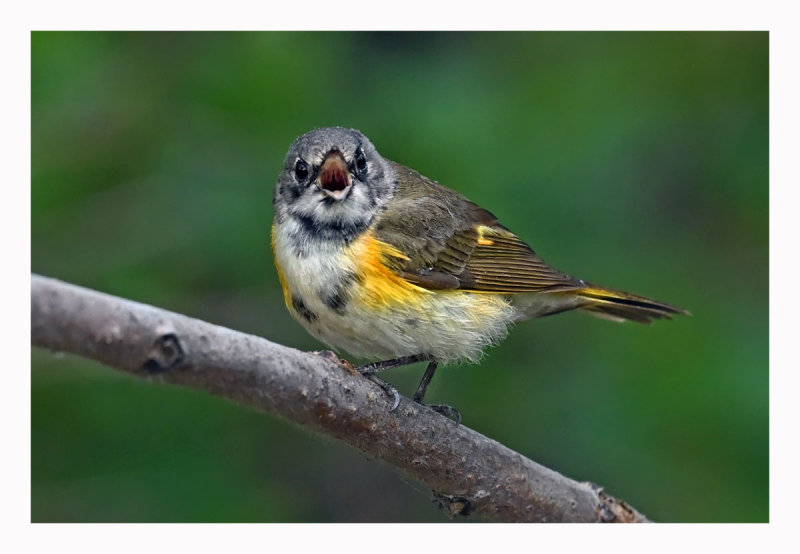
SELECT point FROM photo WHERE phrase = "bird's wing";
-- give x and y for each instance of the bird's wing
(451, 243)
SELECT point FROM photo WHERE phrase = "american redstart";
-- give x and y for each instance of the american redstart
(383, 262)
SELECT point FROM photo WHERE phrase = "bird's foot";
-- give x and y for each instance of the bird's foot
(387, 388)
(447, 411)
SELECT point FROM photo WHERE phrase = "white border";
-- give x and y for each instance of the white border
(695, 15)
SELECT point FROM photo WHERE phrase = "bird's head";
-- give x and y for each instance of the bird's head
(333, 178)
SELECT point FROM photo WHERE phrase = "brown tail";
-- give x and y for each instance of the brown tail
(619, 306)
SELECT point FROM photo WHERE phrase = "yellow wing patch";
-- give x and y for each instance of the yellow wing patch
(502, 263)
(482, 240)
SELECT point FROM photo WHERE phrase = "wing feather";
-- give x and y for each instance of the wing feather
(452, 243)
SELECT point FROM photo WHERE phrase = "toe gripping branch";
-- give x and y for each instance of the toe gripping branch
(370, 370)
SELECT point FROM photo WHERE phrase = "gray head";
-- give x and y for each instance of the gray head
(332, 184)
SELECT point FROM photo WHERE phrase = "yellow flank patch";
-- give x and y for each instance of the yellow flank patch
(287, 295)
(380, 287)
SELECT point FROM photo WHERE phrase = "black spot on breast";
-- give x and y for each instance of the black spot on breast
(338, 299)
(337, 302)
(302, 310)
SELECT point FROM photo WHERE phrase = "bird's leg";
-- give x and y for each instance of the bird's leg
(377, 367)
(445, 410)
(370, 370)
(425, 381)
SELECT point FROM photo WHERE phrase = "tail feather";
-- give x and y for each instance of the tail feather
(621, 306)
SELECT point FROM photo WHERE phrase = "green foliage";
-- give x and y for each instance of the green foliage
(634, 160)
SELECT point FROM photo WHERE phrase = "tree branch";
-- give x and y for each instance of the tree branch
(468, 473)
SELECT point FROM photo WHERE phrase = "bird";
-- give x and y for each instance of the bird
(382, 262)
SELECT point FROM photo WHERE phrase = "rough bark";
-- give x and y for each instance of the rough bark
(468, 473)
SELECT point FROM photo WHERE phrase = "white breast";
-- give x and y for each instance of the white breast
(451, 324)
(314, 274)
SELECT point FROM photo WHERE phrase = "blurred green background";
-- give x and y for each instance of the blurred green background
(634, 160)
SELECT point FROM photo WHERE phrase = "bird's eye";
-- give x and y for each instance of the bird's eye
(301, 170)
(361, 160)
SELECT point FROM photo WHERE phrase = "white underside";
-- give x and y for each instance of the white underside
(453, 325)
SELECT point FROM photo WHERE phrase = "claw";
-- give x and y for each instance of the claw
(387, 388)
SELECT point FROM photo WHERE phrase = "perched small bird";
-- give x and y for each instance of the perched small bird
(383, 262)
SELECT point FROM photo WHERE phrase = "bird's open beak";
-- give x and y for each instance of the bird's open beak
(334, 179)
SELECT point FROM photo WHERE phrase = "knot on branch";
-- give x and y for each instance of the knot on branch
(453, 505)
(167, 352)
(613, 510)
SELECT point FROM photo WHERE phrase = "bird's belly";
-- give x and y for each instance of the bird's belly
(350, 300)
(446, 325)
